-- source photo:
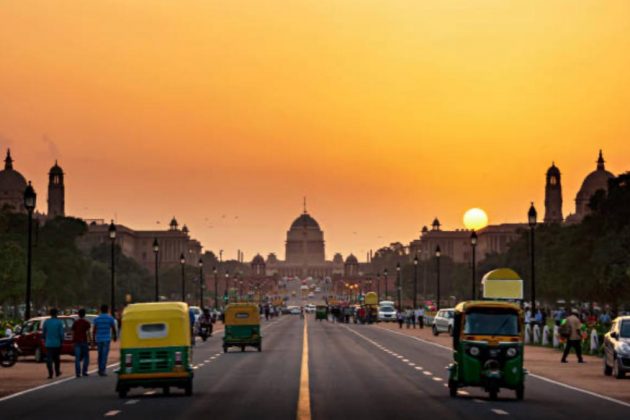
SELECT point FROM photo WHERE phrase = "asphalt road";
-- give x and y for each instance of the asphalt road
(355, 371)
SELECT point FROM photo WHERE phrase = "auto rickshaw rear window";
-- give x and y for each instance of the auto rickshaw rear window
(491, 321)
(156, 330)
(241, 315)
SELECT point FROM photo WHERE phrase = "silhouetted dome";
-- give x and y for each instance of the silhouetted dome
(304, 221)
(258, 260)
(338, 258)
(272, 258)
(352, 260)
(553, 170)
(56, 170)
(596, 180)
(12, 183)
(185, 229)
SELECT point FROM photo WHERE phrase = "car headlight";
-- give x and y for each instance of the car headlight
(623, 348)
(474, 351)
(511, 352)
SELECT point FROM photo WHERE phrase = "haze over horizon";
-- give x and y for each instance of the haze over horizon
(383, 115)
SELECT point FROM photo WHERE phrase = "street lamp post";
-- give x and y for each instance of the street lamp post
(415, 282)
(438, 253)
(182, 262)
(378, 285)
(399, 286)
(227, 283)
(30, 199)
(201, 283)
(531, 216)
(385, 273)
(216, 285)
(156, 251)
(473, 244)
(112, 237)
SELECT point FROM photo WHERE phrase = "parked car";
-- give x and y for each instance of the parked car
(386, 313)
(30, 340)
(443, 321)
(309, 308)
(617, 348)
(294, 310)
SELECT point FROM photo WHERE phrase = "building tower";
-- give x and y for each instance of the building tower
(56, 193)
(553, 196)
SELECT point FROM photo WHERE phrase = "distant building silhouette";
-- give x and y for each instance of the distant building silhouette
(553, 196)
(595, 181)
(56, 192)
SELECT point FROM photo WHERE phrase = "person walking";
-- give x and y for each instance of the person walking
(80, 335)
(53, 339)
(104, 332)
(400, 317)
(574, 339)
(420, 317)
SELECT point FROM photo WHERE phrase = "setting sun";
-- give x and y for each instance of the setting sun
(475, 219)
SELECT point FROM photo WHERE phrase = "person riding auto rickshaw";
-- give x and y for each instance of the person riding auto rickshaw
(155, 347)
(242, 326)
(488, 348)
(321, 312)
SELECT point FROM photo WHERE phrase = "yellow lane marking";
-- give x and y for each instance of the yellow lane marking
(304, 400)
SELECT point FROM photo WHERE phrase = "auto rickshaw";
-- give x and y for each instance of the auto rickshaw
(488, 348)
(242, 326)
(321, 312)
(155, 348)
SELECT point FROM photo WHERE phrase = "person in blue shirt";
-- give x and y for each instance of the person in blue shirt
(53, 338)
(104, 333)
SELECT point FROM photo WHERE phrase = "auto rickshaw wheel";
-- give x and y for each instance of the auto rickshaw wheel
(452, 388)
(225, 349)
(494, 392)
(166, 390)
(260, 347)
(520, 392)
(189, 388)
(242, 348)
(122, 391)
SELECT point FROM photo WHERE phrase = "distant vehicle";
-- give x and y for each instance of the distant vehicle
(318, 289)
(304, 287)
(443, 321)
(195, 310)
(309, 308)
(386, 303)
(386, 313)
(294, 310)
(30, 338)
(617, 348)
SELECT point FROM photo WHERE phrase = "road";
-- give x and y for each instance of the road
(355, 371)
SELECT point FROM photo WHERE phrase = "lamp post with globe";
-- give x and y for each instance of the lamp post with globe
(30, 199)
(531, 218)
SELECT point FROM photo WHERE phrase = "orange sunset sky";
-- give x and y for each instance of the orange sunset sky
(384, 114)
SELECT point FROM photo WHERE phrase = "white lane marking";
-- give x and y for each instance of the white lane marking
(60, 381)
(463, 392)
(435, 378)
(426, 372)
(213, 357)
(399, 357)
(477, 400)
(149, 393)
(411, 364)
(132, 402)
(207, 361)
(542, 378)
(195, 367)
(112, 413)
(405, 360)
(419, 368)
(500, 412)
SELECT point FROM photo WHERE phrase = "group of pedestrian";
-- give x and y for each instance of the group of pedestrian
(102, 331)
(410, 317)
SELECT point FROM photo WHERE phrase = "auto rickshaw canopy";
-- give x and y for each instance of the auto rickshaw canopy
(502, 283)
(242, 314)
(158, 324)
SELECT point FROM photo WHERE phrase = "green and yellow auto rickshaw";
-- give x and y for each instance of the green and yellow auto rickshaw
(155, 349)
(321, 313)
(488, 348)
(242, 326)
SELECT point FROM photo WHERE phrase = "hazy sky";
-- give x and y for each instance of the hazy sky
(384, 113)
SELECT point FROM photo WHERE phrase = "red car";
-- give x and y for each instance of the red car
(30, 339)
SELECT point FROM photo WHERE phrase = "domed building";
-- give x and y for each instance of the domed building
(595, 181)
(12, 186)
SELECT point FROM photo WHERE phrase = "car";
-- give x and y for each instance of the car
(443, 321)
(294, 310)
(386, 313)
(30, 340)
(617, 348)
(309, 308)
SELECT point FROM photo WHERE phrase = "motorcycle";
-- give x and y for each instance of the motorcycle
(9, 352)
(205, 331)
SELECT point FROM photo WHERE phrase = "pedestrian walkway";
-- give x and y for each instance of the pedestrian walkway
(545, 362)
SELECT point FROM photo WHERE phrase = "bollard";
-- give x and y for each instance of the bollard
(546, 341)
(528, 334)
(537, 338)
(556, 337)
(594, 341)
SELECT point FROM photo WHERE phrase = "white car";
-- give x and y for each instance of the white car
(386, 313)
(443, 321)
(310, 308)
(294, 310)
